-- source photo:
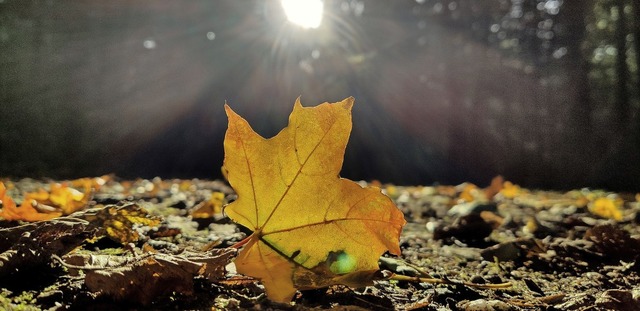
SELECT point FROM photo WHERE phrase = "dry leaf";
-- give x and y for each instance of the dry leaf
(470, 193)
(613, 242)
(143, 279)
(494, 188)
(606, 208)
(44, 205)
(118, 222)
(209, 208)
(68, 199)
(30, 246)
(510, 191)
(311, 228)
(26, 211)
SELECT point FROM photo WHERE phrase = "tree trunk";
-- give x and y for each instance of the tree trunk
(622, 71)
(572, 15)
(636, 40)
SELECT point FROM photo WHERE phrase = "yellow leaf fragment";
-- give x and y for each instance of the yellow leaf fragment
(311, 228)
(209, 208)
(606, 208)
(469, 192)
(509, 190)
(68, 199)
(494, 188)
(392, 191)
(119, 222)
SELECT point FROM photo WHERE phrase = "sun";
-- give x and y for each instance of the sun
(304, 13)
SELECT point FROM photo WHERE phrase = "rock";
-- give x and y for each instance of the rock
(502, 252)
(576, 302)
(470, 229)
(464, 209)
(613, 241)
(507, 251)
(484, 305)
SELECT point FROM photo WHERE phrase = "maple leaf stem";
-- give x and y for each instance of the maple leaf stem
(242, 242)
(400, 277)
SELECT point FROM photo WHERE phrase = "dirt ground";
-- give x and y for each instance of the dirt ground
(573, 250)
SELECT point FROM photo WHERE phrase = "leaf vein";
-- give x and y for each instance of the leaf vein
(325, 222)
(286, 191)
(253, 188)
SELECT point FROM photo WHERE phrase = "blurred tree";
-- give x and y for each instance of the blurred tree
(622, 71)
(570, 50)
(39, 129)
(636, 40)
(612, 75)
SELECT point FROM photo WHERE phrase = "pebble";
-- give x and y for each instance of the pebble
(483, 305)
(576, 302)
(503, 252)
(478, 280)
(464, 209)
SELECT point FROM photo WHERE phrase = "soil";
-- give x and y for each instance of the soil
(573, 250)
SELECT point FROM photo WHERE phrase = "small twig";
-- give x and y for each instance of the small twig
(70, 266)
(419, 269)
(121, 264)
(399, 277)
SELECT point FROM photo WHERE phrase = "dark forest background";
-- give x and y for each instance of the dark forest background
(544, 92)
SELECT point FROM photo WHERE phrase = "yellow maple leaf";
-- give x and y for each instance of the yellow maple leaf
(311, 228)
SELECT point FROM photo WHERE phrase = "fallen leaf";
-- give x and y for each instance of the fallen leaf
(613, 242)
(494, 188)
(143, 279)
(209, 208)
(311, 228)
(30, 246)
(618, 299)
(91, 183)
(392, 191)
(26, 211)
(68, 199)
(44, 205)
(470, 193)
(119, 222)
(448, 191)
(509, 190)
(33, 245)
(606, 208)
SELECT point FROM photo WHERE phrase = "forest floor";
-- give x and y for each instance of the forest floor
(575, 250)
